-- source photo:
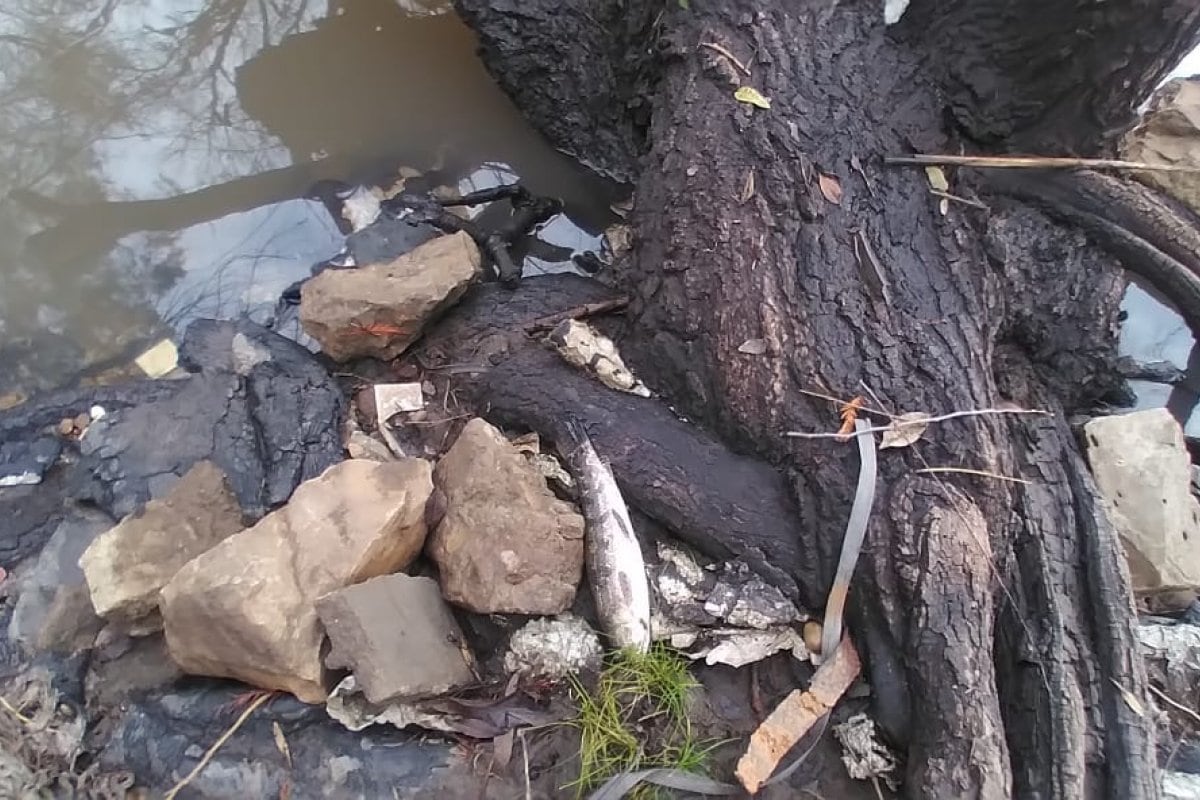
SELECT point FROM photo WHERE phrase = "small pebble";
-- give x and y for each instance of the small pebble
(812, 636)
(82, 421)
(66, 427)
(97, 412)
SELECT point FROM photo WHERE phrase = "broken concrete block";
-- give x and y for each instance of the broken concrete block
(506, 544)
(1143, 471)
(246, 609)
(398, 637)
(127, 565)
(379, 310)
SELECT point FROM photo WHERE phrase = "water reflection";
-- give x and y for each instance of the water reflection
(161, 161)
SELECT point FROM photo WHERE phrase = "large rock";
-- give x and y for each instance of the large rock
(1143, 470)
(380, 310)
(49, 612)
(127, 566)
(1169, 134)
(398, 637)
(259, 406)
(506, 544)
(246, 608)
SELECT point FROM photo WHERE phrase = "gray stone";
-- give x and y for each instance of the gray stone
(142, 667)
(55, 571)
(127, 566)
(379, 310)
(506, 544)
(261, 408)
(397, 636)
(246, 608)
(1143, 471)
(553, 648)
(71, 624)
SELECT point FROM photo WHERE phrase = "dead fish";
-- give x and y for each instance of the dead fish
(615, 567)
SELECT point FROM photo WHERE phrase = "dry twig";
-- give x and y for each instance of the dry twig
(977, 472)
(1030, 162)
(212, 751)
(716, 48)
(942, 418)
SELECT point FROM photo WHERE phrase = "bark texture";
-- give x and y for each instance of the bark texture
(995, 616)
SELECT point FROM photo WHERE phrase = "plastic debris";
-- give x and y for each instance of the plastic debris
(159, 360)
(395, 398)
(360, 208)
(585, 347)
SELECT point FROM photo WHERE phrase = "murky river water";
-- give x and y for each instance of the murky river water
(158, 161)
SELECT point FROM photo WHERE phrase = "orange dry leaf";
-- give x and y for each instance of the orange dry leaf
(831, 187)
(379, 329)
(849, 414)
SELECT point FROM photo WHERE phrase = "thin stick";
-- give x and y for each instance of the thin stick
(8, 707)
(842, 402)
(578, 312)
(1029, 162)
(978, 472)
(957, 199)
(525, 758)
(716, 48)
(928, 420)
(1163, 695)
(212, 751)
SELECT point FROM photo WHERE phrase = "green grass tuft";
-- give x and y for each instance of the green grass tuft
(636, 718)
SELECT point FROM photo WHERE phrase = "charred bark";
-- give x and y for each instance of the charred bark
(995, 616)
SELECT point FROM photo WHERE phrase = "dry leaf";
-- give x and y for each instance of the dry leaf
(831, 187)
(502, 749)
(1130, 699)
(904, 430)
(937, 179)
(747, 187)
(753, 347)
(849, 413)
(281, 743)
(750, 95)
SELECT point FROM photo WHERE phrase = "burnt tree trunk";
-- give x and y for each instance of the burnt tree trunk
(995, 616)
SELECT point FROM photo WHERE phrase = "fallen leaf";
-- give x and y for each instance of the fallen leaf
(904, 430)
(686, 5)
(831, 187)
(750, 95)
(747, 187)
(753, 347)
(1130, 699)
(502, 749)
(937, 179)
(281, 743)
(849, 413)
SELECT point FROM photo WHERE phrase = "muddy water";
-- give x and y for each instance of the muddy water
(168, 160)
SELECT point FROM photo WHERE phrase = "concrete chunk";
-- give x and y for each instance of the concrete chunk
(398, 637)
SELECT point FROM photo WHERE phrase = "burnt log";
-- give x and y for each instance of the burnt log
(995, 616)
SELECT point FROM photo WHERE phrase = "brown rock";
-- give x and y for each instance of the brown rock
(246, 608)
(127, 565)
(506, 544)
(398, 637)
(380, 310)
(1170, 134)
